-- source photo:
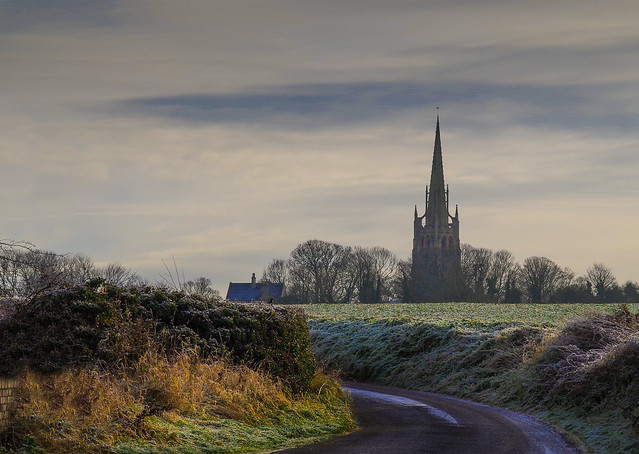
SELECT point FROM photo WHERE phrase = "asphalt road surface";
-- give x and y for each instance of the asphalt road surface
(398, 421)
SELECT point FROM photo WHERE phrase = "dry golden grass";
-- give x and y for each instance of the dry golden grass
(204, 388)
(86, 409)
(74, 410)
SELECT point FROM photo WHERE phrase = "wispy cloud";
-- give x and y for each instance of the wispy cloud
(331, 105)
(22, 15)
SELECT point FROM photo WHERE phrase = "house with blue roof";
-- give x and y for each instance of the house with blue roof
(254, 291)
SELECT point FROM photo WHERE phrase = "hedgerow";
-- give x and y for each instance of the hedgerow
(99, 323)
(148, 370)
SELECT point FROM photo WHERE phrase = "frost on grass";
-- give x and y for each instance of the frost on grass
(569, 364)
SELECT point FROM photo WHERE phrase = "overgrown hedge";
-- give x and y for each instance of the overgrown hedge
(98, 323)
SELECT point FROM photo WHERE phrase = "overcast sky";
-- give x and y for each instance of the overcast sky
(224, 133)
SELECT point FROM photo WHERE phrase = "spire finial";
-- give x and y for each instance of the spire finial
(437, 206)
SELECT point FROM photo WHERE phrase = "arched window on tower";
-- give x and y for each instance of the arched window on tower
(444, 242)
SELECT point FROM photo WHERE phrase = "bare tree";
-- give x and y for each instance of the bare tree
(201, 286)
(475, 264)
(6, 244)
(541, 277)
(631, 292)
(174, 280)
(301, 286)
(374, 269)
(118, 275)
(503, 268)
(10, 276)
(601, 279)
(277, 271)
(384, 263)
(80, 268)
(40, 271)
(401, 280)
(578, 290)
(26, 272)
(319, 272)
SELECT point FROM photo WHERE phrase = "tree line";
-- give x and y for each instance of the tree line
(320, 271)
(27, 272)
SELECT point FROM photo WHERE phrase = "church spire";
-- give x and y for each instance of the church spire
(436, 273)
(436, 211)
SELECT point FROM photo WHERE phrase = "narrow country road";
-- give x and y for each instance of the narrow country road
(398, 421)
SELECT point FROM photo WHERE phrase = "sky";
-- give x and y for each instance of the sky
(224, 133)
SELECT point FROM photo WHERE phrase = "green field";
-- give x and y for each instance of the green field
(464, 314)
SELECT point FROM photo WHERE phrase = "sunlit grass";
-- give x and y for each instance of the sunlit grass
(178, 404)
(463, 314)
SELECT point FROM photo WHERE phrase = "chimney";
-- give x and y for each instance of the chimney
(253, 284)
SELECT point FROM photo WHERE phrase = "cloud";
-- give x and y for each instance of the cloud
(332, 105)
(225, 133)
(21, 15)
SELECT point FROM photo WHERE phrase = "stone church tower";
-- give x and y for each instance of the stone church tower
(436, 269)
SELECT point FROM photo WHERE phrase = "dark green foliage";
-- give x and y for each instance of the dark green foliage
(110, 325)
(273, 338)
(61, 329)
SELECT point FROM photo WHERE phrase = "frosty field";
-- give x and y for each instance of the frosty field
(463, 314)
(573, 365)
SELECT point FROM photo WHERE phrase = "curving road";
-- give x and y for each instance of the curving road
(398, 421)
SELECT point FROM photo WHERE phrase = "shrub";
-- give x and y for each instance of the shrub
(111, 369)
(101, 324)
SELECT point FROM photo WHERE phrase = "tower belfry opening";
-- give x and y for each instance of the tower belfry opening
(436, 267)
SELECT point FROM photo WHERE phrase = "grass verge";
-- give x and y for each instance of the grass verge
(110, 369)
(575, 366)
(163, 404)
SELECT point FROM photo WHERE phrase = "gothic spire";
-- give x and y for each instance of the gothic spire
(436, 212)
